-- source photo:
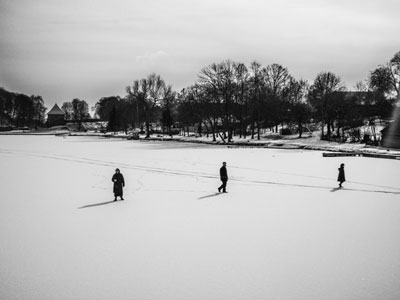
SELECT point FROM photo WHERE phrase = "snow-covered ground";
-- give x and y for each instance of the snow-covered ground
(284, 231)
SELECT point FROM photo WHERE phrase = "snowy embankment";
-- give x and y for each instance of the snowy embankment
(284, 231)
(270, 140)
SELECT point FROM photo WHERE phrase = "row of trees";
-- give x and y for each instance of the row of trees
(21, 110)
(231, 98)
(77, 110)
(149, 100)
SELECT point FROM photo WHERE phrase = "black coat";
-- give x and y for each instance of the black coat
(223, 174)
(341, 176)
(119, 182)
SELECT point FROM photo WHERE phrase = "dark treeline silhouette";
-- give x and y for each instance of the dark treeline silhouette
(19, 110)
(230, 98)
(77, 110)
(149, 100)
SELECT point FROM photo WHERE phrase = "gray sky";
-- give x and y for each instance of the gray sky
(89, 49)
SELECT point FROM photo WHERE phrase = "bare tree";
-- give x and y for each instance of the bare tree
(168, 107)
(80, 111)
(149, 92)
(321, 97)
(218, 79)
(68, 110)
(39, 110)
(241, 97)
(194, 109)
(256, 85)
(299, 109)
(276, 80)
(386, 78)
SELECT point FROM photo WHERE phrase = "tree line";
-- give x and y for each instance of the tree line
(230, 98)
(21, 110)
(76, 110)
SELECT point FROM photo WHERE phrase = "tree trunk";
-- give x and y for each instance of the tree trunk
(221, 136)
(147, 129)
(207, 129)
(230, 134)
(300, 129)
(212, 124)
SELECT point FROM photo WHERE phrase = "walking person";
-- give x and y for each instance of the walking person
(224, 177)
(341, 176)
(119, 184)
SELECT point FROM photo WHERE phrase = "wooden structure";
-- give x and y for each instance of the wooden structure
(55, 116)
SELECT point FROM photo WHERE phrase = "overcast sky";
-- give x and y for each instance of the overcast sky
(89, 49)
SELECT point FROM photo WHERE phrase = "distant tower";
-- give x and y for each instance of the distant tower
(55, 116)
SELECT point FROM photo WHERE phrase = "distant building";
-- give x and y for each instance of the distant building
(391, 133)
(55, 116)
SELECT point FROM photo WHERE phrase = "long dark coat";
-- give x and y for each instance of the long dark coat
(341, 176)
(223, 173)
(119, 182)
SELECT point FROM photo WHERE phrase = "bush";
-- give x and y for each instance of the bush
(6, 128)
(285, 131)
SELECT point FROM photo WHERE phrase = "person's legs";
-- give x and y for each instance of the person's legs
(224, 186)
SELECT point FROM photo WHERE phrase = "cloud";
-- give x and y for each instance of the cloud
(151, 59)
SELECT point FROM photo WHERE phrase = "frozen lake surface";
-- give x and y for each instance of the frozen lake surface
(284, 231)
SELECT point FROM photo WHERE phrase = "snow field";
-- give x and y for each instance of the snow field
(284, 231)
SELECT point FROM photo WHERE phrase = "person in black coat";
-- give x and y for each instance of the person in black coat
(119, 183)
(224, 177)
(341, 176)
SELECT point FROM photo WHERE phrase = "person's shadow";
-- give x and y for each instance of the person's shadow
(97, 204)
(336, 189)
(361, 190)
(209, 196)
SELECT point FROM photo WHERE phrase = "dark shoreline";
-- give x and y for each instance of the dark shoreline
(333, 150)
